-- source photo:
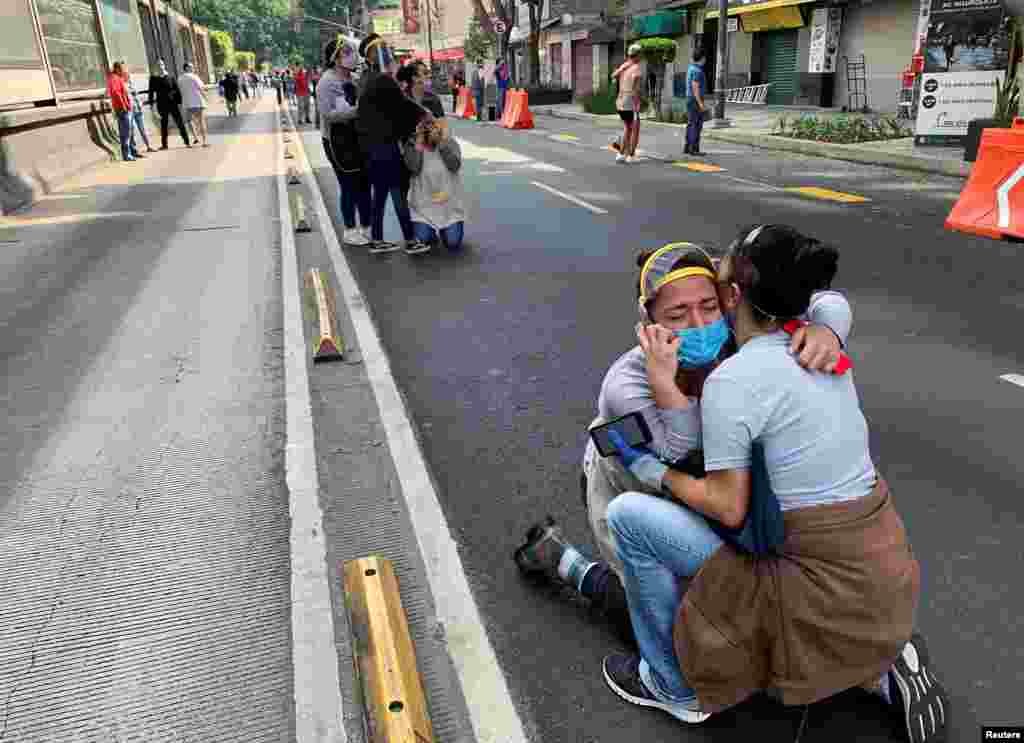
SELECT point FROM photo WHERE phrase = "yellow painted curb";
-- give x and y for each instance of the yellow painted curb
(298, 207)
(566, 137)
(828, 194)
(699, 167)
(385, 660)
(329, 345)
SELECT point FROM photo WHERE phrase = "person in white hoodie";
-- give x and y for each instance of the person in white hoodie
(437, 200)
(193, 100)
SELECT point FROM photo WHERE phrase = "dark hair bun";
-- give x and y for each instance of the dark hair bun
(817, 263)
(784, 269)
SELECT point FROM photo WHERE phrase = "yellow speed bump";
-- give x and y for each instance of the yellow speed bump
(298, 207)
(699, 167)
(567, 137)
(385, 660)
(328, 345)
(828, 194)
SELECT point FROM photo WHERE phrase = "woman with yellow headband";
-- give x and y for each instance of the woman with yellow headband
(829, 603)
(683, 334)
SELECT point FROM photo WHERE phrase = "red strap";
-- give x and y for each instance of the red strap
(842, 366)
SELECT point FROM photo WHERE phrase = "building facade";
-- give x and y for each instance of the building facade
(60, 50)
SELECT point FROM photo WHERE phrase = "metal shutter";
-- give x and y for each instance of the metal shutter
(779, 50)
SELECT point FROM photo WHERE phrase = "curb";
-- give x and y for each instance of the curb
(849, 153)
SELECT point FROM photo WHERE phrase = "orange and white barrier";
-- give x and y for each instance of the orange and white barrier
(992, 202)
(517, 110)
(465, 108)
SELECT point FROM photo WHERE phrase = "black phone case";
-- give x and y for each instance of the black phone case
(644, 428)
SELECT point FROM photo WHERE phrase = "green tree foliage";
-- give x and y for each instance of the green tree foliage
(658, 52)
(223, 48)
(245, 60)
(479, 46)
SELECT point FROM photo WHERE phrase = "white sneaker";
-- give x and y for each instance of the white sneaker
(354, 237)
(620, 158)
(632, 159)
(365, 232)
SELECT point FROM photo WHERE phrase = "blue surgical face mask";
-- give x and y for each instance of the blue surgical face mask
(700, 346)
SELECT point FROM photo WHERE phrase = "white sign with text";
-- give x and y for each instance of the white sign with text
(951, 100)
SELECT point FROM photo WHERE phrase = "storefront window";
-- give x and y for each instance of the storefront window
(18, 46)
(149, 35)
(73, 42)
(124, 37)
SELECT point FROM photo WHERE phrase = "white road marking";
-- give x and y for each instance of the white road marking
(1017, 379)
(569, 197)
(318, 705)
(1003, 196)
(493, 714)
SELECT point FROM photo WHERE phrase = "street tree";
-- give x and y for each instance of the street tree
(223, 48)
(502, 11)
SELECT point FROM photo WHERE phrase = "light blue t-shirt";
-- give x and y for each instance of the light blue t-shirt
(814, 434)
(694, 72)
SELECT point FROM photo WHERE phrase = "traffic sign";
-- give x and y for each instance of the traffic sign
(499, 25)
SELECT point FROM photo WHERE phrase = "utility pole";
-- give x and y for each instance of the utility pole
(722, 68)
(430, 42)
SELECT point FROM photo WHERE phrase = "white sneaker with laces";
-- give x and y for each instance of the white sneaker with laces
(365, 232)
(354, 237)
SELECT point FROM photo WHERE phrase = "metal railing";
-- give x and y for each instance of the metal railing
(756, 94)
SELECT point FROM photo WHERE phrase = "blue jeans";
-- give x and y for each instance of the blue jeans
(479, 95)
(126, 135)
(355, 194)
(385, 167)
(694, 125)
(139, 118)
(659, 542)
(501, 102)
(451, 235)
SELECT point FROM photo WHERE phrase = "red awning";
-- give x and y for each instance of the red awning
(443, 55)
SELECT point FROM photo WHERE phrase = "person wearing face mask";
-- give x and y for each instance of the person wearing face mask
(683, 335)
(386, 118)
(831, 606)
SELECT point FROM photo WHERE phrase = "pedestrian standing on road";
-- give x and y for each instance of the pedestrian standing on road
(681, 313)
(121, 103)
(386, 118)
(832, 605)
(695, 109)
(289, 86)
(413, 79)
(628, 103)
(164, 91)
(278, 83)
(193, 97)
(230, 84)
(302, 95)
(337, 100)
(501, 78)
(314, 80)
(437, 201)
(479, 85)
(138, 111)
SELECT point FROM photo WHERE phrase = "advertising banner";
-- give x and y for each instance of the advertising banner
(966, 53)
(825, 26)
(411, 16)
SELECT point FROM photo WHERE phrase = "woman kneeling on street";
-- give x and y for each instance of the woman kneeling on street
(832, 605)
(436, 194)
(683, 336)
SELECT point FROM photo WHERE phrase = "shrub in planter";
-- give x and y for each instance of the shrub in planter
(841, 129)
(600, 102)
(1007, 108)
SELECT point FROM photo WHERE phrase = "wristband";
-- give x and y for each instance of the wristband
(842, 366)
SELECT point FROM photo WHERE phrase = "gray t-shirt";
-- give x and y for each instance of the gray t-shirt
(676, 432)
(814, 434)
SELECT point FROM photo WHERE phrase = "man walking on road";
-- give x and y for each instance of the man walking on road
(165, 92)
(628, 103)
(695, 103)
(302, 93)
(193, 98)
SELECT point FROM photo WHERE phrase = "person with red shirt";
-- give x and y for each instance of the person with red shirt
(121, 102)
(302, 93)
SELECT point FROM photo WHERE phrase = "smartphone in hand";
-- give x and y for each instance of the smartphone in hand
(632, 427)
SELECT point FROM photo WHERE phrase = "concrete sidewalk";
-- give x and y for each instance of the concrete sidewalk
(754, 127)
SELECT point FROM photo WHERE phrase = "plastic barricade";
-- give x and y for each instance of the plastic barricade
(519, 116)
(467, 106)
(992, 202)
(507, 114)
(460, 102)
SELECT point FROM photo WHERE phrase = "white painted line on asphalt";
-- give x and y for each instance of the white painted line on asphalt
(1017, 379)
(317, 694)
(569, 197)
(1003, 196)
(493, 714)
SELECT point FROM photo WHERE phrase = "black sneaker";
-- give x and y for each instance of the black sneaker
(917, 695)
(383, 246)
(622, 674)
(415, 247)
(543, 549)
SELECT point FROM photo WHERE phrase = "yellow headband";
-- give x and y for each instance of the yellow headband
(681, 273)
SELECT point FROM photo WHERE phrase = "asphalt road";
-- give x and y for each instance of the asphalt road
(144, 553)
(500, 352)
